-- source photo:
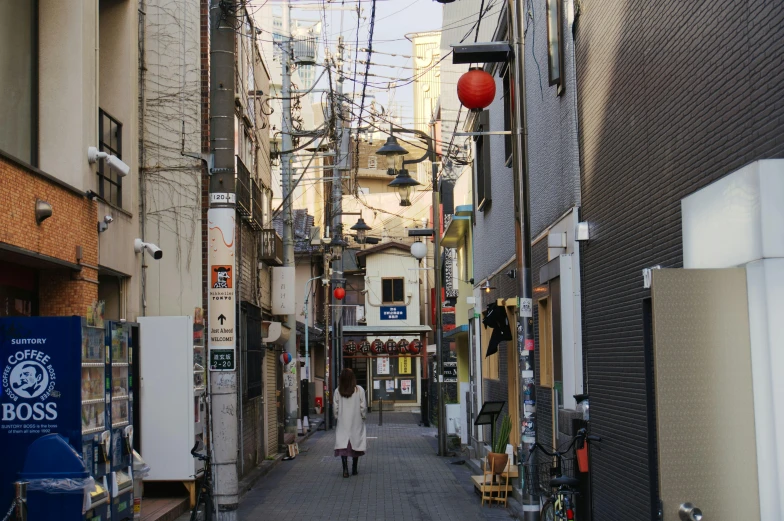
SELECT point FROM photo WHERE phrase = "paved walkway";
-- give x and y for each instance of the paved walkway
(400, 478)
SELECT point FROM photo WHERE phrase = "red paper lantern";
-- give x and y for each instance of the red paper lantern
(339, 293)
(476, 89)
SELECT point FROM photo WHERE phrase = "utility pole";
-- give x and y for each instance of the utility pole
(289, 390)
(525, 336)
(221, 305)
(337, 221)
(439, 319)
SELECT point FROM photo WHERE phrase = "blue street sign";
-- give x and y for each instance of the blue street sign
(393, 312)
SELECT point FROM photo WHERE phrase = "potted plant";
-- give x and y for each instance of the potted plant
(498, 458)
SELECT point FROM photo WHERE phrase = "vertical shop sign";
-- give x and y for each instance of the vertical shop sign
(221, 308)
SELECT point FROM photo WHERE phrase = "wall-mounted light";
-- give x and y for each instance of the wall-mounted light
(43, 211)
(487, 287)
(419, 250)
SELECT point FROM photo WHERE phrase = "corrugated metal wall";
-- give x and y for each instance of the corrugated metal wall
(672, 96)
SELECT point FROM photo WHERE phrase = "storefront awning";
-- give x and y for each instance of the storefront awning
(454, 233)
(456, 332)
(34, 260)
(383, 330)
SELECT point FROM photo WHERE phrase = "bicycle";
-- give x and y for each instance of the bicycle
(560, 489)
(203, 509)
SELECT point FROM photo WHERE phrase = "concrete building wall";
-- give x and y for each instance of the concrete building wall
(171, 169)
(553, 152)
(87, 59)
(663, 113)
(494, 232)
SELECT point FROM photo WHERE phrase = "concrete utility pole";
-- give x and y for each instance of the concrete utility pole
(289, 391)
(337, 221)
(221, 305)
(525, 333)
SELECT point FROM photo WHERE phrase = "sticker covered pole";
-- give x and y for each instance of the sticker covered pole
(221, 297)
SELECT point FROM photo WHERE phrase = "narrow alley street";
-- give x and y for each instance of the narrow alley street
(400, 477)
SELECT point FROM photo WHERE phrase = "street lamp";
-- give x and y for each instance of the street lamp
(394, 154)
(361, 228)
(404, 183)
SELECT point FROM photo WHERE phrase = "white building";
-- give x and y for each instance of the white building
(392, 303)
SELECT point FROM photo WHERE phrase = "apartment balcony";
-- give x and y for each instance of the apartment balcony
(271, 248)
(257, 203)
(243, 189)
(305, 50)
(353, 315)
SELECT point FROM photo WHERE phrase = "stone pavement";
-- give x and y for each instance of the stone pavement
(400, 478)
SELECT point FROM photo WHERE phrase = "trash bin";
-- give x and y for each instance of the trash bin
(58, 481)
(140, 471)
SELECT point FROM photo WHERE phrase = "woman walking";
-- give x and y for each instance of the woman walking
(350, 411)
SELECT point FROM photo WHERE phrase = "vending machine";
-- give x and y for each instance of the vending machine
(120, 343)
(54, 380)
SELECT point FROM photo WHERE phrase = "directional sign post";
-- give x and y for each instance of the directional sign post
(221, 305)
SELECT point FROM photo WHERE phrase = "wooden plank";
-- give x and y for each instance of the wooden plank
(486, 487)
(511, 469)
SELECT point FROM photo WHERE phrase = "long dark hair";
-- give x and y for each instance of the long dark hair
(348, 383)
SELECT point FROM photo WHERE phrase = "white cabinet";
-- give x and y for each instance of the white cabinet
(172, 397)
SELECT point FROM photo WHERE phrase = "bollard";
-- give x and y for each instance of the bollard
(20, 494)
(380, 413)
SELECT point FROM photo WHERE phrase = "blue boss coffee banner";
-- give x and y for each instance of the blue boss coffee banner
(40, 391)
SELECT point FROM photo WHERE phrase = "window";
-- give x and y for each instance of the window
(372, 162)
(110, 141)
(482, 163)
(252, 350)
(555, 43)
(19, 79)
(545, 345)
(392, 291)
(508, 108)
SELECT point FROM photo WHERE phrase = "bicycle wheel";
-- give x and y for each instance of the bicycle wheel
(548, 511)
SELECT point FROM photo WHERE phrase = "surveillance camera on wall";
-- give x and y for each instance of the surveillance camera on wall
(152, 249)
(104, 225)
(114, 162)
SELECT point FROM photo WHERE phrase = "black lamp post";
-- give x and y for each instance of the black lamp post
(404, 183)
(361, 228)
(394, 154)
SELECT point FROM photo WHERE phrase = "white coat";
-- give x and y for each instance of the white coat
(350, 413)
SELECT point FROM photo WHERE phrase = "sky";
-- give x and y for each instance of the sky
(394, 19)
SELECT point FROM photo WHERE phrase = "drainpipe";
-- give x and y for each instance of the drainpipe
(525, 339)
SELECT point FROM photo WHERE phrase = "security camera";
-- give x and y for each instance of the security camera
(139, 246)
(108, 219)
(114, 162)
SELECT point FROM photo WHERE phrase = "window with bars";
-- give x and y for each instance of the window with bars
(110, 141)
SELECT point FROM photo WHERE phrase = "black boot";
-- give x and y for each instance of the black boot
(345, 466)
(354, 462)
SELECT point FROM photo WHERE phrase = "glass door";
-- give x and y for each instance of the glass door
(120, 375)
(94, 395)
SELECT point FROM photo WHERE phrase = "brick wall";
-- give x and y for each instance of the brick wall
(672, 96)
(73, 223)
